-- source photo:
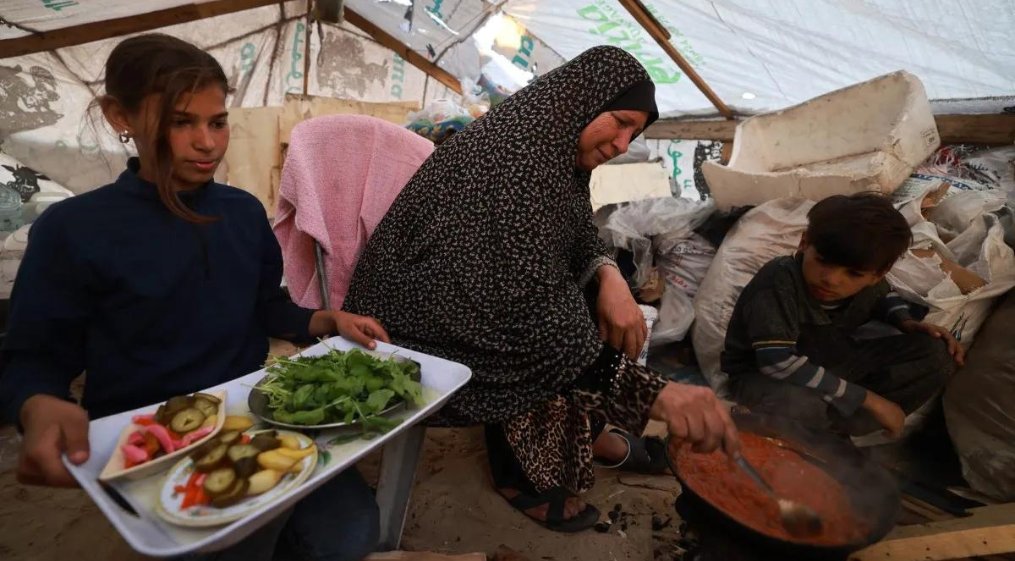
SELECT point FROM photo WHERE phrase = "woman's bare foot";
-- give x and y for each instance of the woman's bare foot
(573, 506)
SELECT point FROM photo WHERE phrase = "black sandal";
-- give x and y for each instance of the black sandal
(555, 513)
(644, 455)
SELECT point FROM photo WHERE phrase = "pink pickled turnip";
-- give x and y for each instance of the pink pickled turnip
(162, 435)
(134, 455)
(136, 438)
(195, 435)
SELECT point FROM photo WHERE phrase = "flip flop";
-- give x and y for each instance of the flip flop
(644, 455)
(555, 513)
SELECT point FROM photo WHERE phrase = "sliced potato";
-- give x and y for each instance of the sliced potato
(238, 423)
(262, 481)
(187, 420)
(296, 454)
(272, 459)
(220, 481)
(289, 441)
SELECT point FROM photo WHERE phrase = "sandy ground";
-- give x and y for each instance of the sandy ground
(453, 510)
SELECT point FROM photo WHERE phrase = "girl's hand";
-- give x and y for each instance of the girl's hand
(361, 329)
(358, 329)
(52, 427)
(621, 321)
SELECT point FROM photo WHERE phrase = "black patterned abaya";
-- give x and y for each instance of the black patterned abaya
(482, 260)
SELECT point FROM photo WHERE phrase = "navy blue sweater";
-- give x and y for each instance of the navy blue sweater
(148, 304)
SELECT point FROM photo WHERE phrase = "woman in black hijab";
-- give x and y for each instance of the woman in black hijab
(484, 258)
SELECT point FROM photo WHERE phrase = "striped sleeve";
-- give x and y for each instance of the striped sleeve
(777, 359)
(892, 309)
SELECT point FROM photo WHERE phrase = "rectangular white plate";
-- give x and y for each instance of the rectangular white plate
(149, 535)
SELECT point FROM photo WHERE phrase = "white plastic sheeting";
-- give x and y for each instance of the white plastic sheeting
(44, 97)
(762, 55)
(758, 55)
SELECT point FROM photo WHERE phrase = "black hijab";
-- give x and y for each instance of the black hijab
(639, 97)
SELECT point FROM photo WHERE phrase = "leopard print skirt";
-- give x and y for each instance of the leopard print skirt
(553, 441)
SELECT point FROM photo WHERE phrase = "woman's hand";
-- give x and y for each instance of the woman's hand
(621, 322)
(695, 415)
(362, 330)
(52, 426)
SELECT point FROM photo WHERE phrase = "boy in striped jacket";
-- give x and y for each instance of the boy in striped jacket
(791, 348)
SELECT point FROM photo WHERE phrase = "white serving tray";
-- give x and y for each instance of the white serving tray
(150, 535)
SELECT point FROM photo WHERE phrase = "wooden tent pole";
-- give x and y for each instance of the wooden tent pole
(661, 36)
(993, 129)
(107, 29)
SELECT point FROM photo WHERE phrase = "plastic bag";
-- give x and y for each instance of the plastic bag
(683, 264)
(633, 225)
(963, 228)
(764, 233)
(662, 231)
(956, 213)
(977, 407)
(439, 120)
(37, 191)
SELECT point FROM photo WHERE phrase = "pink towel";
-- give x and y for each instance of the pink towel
(341, 174)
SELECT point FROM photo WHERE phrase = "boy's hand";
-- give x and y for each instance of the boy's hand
(887, 413)
(621, 321)
(358, 329)
(52, 426)
(954, 347)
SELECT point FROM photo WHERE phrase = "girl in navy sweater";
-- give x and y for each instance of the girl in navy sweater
(163, 283)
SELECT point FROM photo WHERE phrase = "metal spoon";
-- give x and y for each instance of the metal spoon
(798, 519)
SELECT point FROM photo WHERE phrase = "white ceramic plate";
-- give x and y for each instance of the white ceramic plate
(115, 466)
(169, 501)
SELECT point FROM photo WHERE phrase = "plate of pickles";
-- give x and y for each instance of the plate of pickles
(153, 441)
(235, 474)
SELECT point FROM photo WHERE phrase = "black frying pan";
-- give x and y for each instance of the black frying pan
(872, 490)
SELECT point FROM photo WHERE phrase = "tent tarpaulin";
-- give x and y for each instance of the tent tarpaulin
(44, 97)
(758, 55)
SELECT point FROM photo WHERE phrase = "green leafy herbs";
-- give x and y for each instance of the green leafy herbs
(348, 387)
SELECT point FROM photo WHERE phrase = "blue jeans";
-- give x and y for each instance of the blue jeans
(339, 521)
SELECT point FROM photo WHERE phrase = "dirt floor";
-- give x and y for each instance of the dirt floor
(453, 510)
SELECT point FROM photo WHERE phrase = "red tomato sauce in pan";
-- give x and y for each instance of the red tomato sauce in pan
(725, 486)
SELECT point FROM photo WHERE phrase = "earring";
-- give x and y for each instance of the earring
(125, 137)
